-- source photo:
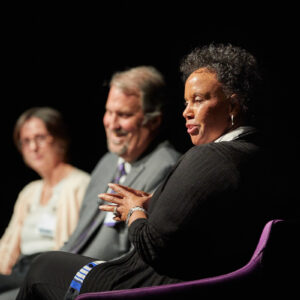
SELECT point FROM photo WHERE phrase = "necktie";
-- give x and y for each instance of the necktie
(121, 172)
(108, 218)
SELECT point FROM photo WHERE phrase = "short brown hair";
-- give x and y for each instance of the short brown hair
(54, 123)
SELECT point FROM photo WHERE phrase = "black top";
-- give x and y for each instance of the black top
(205, 219)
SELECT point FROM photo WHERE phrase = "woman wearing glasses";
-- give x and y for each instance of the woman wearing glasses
(46, 211)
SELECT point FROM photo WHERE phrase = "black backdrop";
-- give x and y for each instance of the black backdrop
(62, 57)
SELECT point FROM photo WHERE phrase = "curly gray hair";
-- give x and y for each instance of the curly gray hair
(235, 68)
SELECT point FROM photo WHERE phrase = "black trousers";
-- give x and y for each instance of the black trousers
(50, 275)
(17, 276)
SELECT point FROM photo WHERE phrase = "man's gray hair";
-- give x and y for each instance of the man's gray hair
(146, 82)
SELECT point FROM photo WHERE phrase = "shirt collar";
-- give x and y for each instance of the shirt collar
(234, 134)
(127, 165)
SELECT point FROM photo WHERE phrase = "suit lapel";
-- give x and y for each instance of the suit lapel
(134, 173)
(99, 185)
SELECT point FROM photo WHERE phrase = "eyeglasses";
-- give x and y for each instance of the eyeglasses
(39, 139)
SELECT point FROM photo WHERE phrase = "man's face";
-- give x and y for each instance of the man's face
(123, 123)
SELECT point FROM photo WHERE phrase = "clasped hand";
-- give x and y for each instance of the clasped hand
(123, 200)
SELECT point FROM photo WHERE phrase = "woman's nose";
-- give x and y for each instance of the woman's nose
(32, 145)
(188, 112)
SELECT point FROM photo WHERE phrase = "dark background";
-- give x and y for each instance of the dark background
(63, 56)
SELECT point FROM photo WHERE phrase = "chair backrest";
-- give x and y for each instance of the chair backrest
(247, 280)
(281, 261)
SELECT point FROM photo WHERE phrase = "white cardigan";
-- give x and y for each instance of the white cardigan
(68, 207)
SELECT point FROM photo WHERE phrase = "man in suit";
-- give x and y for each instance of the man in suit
(132, 123)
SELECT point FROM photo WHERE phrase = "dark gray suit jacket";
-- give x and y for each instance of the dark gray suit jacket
(146, 174)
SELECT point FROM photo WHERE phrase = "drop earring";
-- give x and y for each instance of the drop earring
(232, 123)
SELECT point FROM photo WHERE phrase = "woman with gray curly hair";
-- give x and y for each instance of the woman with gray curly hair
(203, 220)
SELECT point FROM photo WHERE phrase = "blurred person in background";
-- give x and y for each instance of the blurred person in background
(139, 155)
(47, 210)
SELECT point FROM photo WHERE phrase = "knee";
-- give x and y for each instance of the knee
(41, 265)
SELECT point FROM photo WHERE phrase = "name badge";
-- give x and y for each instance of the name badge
(47, 225)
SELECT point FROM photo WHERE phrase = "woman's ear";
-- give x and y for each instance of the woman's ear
(235, 105)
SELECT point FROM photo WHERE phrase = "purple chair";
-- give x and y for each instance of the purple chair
(248, 280)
